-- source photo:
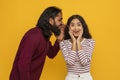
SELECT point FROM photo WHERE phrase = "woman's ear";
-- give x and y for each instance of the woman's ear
(51, 21)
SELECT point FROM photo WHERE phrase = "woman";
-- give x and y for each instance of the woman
(77, 49)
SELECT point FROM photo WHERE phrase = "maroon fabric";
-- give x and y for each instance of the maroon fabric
(31, 54)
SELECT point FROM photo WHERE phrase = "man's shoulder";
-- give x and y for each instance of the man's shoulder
(35, 32)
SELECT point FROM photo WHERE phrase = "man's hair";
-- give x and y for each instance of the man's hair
(43, 21)
(86, 33)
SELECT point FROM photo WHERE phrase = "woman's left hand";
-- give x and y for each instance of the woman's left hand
(79, 38)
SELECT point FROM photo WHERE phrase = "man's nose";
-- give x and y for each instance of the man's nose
(62, 27)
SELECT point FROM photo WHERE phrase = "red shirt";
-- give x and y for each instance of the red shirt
(31, 54)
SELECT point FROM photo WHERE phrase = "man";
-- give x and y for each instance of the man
(35, 45)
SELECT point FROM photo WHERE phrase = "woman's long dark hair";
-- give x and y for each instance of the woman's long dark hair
(86, 33)
(43, 21)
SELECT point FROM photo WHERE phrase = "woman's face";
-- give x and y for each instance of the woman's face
(76, 27)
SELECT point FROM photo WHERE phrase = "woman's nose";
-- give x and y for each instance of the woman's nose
(75, 28)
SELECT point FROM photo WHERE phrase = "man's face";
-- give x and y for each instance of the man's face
(58, 20)
(57, 24)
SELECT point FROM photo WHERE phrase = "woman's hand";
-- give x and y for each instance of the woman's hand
(79, 38)
(72, 36)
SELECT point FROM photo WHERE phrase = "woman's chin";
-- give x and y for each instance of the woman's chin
(76, 36)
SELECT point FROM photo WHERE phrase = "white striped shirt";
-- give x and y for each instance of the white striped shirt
(78, 61)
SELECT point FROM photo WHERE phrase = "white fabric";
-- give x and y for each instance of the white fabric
(84, 76)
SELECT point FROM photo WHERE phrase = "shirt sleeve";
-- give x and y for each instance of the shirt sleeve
(69, 55)
(53, 50)
(85, 53)
(26, 50)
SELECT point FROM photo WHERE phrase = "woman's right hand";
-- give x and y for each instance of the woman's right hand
(74, 41)
(72, 37)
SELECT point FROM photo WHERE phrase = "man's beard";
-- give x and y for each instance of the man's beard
(55, 30)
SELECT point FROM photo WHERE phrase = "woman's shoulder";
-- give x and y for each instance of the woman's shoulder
(89, 41)
(65, 42)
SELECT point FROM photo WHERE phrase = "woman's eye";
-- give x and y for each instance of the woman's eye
(72, 25)
(79, 24)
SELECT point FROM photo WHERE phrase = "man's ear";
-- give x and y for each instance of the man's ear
(51, 21)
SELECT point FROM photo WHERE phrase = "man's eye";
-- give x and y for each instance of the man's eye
(60, 20)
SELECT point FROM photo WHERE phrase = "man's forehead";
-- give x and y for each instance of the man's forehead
(59, 15)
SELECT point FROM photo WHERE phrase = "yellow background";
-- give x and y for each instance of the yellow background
(102, 17)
